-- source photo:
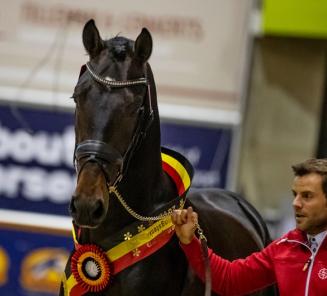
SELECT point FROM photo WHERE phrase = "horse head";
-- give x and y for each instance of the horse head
(113, 112)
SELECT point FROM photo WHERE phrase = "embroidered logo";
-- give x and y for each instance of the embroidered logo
(322, 273)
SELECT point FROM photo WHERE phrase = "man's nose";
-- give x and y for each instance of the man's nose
(297, 203)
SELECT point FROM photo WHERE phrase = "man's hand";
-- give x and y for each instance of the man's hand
(185, 224)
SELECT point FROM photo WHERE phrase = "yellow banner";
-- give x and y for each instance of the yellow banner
(297, 18)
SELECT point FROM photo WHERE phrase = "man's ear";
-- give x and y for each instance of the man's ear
(143, 46)
(91, 39)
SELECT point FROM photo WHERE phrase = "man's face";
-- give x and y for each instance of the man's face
(310, 203)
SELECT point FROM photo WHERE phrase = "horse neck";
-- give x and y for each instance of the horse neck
(145, 177)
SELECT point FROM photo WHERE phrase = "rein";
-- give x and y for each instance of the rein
(100, 152)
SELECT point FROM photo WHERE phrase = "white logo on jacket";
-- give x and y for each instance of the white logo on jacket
(322, 273)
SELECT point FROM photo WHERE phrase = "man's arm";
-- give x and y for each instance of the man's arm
(239, 277)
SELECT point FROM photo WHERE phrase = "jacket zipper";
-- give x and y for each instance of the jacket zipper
(307, 283)
(308, 264)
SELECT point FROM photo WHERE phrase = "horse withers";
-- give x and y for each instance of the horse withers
(128, 185)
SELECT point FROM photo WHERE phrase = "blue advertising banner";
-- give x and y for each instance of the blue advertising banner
(208, 149)
(32, 263)
(36, 168)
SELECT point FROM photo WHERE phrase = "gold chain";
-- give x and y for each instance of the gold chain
(200, 232)
(113, 189)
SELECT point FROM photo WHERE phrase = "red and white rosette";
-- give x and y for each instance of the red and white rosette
(90, 267)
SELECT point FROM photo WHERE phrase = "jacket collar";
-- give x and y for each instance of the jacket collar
(296, 234)
(299, 236)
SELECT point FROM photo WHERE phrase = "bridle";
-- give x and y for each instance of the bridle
(102, 153)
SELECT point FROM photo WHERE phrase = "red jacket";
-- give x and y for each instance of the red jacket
(287, 261)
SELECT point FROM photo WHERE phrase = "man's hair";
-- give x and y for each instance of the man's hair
(314, 165)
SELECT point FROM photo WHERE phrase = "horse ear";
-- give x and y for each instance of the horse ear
(91, 39)
(143, 45)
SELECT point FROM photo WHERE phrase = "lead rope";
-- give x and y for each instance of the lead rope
(204, 249)
(203, 239)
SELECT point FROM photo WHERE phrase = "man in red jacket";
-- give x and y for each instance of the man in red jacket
(297, 262)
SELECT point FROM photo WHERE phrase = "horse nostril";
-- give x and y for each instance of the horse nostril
(98, 209)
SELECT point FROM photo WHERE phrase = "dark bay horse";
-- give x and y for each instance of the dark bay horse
(128, 185)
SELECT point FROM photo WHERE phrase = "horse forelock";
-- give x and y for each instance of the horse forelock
(119, 47)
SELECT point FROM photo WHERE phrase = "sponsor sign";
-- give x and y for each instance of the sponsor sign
(36, 167)
(33, 263)
(199, 47)
(4, 267)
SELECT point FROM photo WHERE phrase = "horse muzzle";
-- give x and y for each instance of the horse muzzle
(87, 212)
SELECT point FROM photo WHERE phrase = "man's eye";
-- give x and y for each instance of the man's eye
(306, 195)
